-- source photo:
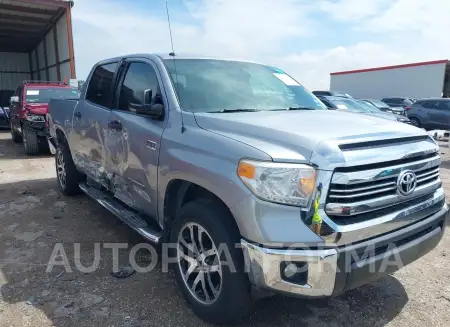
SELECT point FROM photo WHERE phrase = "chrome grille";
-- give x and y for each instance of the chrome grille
(366, 190)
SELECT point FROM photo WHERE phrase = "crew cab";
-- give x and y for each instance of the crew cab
(28, 109)
(248, 178)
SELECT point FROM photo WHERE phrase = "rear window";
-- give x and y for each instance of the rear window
(99, 88)
(43, 95)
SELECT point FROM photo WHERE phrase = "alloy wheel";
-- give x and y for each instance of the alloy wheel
(199, 263)
(61, 169)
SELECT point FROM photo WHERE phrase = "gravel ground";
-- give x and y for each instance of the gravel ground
(34, 217)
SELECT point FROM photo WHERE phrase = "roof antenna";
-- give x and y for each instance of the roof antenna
(172, 54)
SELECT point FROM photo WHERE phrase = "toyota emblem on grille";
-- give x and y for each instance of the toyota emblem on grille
(407, 182)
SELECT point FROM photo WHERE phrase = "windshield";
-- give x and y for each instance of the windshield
(348, 104)
(208, 85)
(41, 95)
(379, 104)
(369, 106)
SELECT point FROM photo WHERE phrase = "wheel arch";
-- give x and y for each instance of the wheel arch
(179, 192)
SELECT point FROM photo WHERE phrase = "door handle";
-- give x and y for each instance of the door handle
(77, 114)
(116, 125)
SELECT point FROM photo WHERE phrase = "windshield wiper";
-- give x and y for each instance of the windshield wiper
(301, 108)
(234, 110)
(295, 108)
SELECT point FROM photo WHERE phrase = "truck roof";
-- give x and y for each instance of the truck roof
(164, 56)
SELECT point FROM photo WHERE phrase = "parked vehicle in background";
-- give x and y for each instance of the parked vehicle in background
(361, 107)
(403, 102)
(29, 107)
(4, 117)
(431, 113)
(332, 93)
(249, 177)
(386, 108)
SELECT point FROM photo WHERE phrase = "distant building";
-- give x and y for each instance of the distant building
(416, 80)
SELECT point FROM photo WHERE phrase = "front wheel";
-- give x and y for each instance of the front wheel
(30, 141)
(210, 267)
(68, 175)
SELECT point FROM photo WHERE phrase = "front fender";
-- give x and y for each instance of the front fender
(205, 159)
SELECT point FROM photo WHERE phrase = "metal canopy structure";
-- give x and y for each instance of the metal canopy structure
(23, 24)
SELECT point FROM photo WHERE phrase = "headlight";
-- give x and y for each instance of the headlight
(285, 183)
(33, 117)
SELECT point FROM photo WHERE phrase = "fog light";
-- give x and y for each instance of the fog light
(295, 272)
(290, 270)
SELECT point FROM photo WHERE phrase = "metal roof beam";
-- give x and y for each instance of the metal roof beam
(31, 10)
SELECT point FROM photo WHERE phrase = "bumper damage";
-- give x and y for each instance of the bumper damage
(332, 271)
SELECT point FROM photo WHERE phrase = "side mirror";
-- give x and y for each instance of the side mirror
(155, 111)
(14, 99)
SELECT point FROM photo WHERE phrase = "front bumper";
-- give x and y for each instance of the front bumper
(332, 271)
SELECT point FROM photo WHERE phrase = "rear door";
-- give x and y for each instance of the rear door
(444, 113)
(133, 139)
(430, 115)
(90, 120)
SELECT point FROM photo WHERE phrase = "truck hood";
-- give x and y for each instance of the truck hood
(37, 108)
(294, 136)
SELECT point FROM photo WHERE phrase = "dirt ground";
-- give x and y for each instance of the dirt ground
(34, 217)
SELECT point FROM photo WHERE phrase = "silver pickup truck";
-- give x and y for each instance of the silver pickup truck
(254, 183)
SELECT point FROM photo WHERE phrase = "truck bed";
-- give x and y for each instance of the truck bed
(58, 112)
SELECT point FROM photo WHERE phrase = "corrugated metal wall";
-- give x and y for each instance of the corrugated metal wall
(14, 67)
(54, 47)
(415, 82)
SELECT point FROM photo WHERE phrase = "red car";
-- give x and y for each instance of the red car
(28, 110)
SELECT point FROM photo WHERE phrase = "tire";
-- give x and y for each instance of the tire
(66, 173)
(415, 122)
(30, 141)
(233, 298)
(16, 137)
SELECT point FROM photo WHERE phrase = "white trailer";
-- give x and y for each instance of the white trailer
(417, 80)
(35, 43)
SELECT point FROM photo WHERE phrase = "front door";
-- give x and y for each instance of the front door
(133, 139)
(90, 120)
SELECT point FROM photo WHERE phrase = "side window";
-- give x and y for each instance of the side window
(444, 105)
(430, 104)
(99, 88)
(140, 86)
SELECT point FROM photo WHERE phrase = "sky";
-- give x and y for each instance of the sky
(308, 39)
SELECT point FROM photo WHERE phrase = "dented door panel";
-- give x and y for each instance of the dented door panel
(87, 140)
(132, 164)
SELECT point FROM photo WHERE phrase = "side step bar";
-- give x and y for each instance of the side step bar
(120, 211)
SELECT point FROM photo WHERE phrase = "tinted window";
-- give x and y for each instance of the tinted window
(139, 87)
(430, 104)
(445, 105)
(321, 93)
(207, 85)
(99, 88)
(328, 104)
